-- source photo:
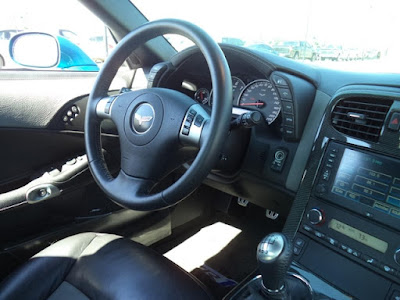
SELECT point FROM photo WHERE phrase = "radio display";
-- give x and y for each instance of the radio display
(369, 179)
(358, 235)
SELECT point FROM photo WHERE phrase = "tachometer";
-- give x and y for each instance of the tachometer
(237, 87)
(261, 95)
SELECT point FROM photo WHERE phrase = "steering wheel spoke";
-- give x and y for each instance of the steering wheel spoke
(125, 188)
(194, 126)
(104, 106)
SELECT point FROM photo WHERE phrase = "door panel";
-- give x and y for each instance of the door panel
(35, 142)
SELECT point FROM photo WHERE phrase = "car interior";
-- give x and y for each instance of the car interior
(230, 173)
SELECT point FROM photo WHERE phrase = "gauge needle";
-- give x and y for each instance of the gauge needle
(252, 104)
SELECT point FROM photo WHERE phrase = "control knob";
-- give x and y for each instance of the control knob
(397, 256)
(248, 120)
(315, 216)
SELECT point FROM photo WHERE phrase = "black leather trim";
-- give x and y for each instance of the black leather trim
(101, 266)
(33, 99)
(45, 271)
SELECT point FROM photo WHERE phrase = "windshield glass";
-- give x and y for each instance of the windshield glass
(354, 35)
(287, 43)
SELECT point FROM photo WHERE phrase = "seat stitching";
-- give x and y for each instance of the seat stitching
(72, 266)
(67, 271)
(95, 236)
(77, 288)
(65, 278)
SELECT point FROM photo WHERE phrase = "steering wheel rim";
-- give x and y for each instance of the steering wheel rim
(134, 191)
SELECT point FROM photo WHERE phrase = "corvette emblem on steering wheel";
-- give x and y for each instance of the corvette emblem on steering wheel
(143, 118)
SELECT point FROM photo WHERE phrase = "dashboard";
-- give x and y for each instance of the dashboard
(255, 162)
(339, 179)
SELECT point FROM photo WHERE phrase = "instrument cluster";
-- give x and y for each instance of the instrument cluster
(260, 95)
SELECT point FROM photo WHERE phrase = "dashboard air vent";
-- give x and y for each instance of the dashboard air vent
(362, 118)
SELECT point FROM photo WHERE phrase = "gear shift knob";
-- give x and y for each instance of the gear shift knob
(274, 255)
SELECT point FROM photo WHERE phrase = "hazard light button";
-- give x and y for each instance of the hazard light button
(394, 123)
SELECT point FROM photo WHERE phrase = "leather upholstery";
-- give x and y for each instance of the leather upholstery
(100, 266)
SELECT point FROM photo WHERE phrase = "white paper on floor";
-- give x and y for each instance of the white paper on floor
(196, 250)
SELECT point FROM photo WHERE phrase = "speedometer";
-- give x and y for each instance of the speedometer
(261, 95)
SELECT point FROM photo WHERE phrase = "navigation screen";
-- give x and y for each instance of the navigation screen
(369, 179)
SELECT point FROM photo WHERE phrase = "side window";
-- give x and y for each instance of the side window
(84, 40)
(140, 80)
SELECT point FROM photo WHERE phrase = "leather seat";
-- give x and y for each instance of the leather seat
(100, 266)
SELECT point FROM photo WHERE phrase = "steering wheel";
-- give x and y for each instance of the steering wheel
(158, 127)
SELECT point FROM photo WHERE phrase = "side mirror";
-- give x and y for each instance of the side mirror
(42, 50)
(35, 50)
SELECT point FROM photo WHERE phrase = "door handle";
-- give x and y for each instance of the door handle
(41, 192)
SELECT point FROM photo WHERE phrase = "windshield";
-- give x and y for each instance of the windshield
(287, 43)
(360, 34)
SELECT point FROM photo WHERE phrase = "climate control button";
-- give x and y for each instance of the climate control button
(321, 188)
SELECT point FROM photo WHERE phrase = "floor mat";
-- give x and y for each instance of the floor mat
(238, 259)
(218, 284)
(224, 251)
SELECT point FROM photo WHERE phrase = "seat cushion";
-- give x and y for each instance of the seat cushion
(100, 266)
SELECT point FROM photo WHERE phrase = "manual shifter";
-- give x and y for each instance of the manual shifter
(274, 256)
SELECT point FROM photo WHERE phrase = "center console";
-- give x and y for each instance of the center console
(348, 231)
(348, 241)
(344, 223)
